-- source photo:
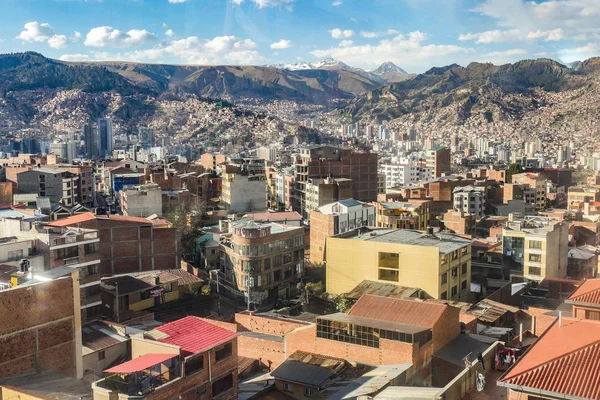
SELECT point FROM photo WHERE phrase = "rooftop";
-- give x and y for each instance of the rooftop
(309, 369)
(99, 336)
(382, 289)
(561, 362)
(588, 292)
(52, 385)
(275, 216)
(444, 242)
(374, 323)
(403, 311)
(192, 334)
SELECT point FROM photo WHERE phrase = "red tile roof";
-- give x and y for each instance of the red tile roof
(564, 360)
(393, 309)
(88, 216)
(588, 292)
(73, 220)
(140, 363)
(275, 216)
(194, 335)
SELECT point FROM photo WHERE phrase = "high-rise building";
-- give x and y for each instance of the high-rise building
(59, 149)
(145, 137)
(105, 138)
(438, 159)
(72, 148)
(90, 139)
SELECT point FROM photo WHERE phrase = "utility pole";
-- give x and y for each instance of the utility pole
(249, 282)
(216, 271)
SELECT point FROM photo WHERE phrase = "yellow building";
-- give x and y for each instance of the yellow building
(534, 247)
(440, 264)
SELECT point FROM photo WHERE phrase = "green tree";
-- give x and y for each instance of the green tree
(513, 168)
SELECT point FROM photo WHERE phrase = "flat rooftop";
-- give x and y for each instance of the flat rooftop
(53, 385)
(444, 242)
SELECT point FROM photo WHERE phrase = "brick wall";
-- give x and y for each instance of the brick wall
(37, 329)
(271, 326)
(271, 353)
(321, 226)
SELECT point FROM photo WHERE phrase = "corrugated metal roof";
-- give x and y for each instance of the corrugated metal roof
(564, 360)
(393, 309)
(459, 348)
(194, 335)
(140, 363)
(374, 323)
(309, 369)
(588, 292)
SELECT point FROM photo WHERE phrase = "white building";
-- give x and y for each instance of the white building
(244, 192)
(402, 174)
(470, 199)
(141, 200)
(350, 214)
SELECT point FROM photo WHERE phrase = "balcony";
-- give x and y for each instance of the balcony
(71, 261)
(73, 239)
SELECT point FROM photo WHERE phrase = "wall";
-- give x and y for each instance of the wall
(111, 354)
(141, 346)
(11, 393)
(272, 326)
(40, 329)
(321, 227)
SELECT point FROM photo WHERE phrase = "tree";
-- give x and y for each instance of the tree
(513, 168)
(344, 304)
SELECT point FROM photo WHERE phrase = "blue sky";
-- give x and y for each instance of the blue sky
(414, 34)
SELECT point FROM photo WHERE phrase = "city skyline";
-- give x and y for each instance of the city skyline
(415, 35)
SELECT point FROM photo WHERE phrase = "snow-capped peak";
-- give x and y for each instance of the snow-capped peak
(388, 67)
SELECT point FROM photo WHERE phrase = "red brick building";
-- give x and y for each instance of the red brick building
(130, 244)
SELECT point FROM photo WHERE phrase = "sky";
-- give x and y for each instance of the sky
(414, 34)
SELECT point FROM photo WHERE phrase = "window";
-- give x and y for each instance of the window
(223, 353)
(537, 271)
(91, 248)
(454, 272)
(222, 385)
(444, 296)
(595, 315)
(463, 285)
(389, 275)
(15, 255)
(389, 263)
(535, 257)
(277, 275)
(308, 392)
(92, 290)
(535, 244)
(288, 387)
(101, 355)
(92, 312)
(463, 269)
(194, 365)
(444, 278)
(454, 291)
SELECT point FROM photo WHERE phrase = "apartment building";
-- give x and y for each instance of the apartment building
(210, 161)
(244, 192)
(459, 222)
(328, 161)
(403, 174)
(187, 358)
(413, 214)
(336, 218)
(440, 264)
(58, 185)
(470, 199)
(129, 244)
(438, 159)
(577, 195)
(535, 181)
(141, 200)
(534, 248)
(263, 258)
(325, 191)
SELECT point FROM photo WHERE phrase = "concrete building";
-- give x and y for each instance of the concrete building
(438, 159)
(58, 185)
(189, 357)
(325, 191)
(141, 200)
(145, 137)
(413, 214)
(336, 218)
(244, 192)
(328, 161)
(440, 264)
(583, 262)
(401, 174)
(210, 161)
(534, 248)
(265, 259)
(577, 195)
(90, 140)
(459, 222)
(105, 138)
(470, 199)
(535, 181)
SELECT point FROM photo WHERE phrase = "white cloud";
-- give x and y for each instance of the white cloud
(282, 44)
(107, 36)
(494, 36)
(268, 3)
(74, 57)
(549, 36)
(177, 1)
(36, 32)
(502, 57)
(580, 53)
(408, 51)
(341, 34)
(346, 43)
(169, 33)
(76, 36)
(369, 35)
(58, 41)
(336, 3)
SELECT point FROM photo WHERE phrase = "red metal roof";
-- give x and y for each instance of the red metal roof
(73, 220)
(140, 363)
(393, 309)
(564, 360)
(588, 292)
(275, 216)
(194, 335)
